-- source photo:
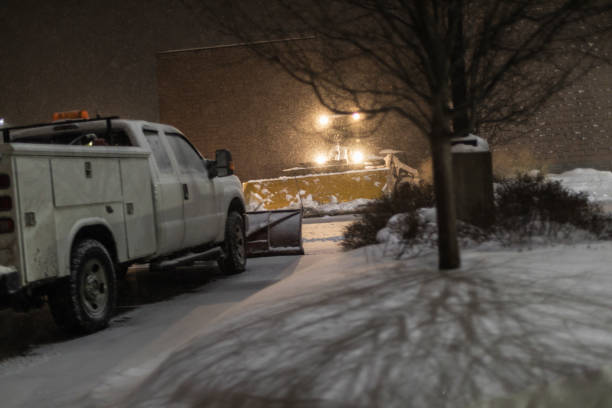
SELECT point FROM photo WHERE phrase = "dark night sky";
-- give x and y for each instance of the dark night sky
(95, 55)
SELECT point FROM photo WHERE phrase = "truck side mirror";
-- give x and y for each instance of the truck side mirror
(225, 165)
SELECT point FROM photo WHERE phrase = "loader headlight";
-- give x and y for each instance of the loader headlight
(320, 159)
(357, 157)
(323, 120)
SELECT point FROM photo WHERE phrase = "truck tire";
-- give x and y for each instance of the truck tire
(85, 302)
(234, 259)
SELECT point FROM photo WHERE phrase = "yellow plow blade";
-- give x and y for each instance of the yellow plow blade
(313, 190)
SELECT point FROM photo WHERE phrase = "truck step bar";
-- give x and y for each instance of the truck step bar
(208, 255)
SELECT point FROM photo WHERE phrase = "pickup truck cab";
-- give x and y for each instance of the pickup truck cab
(82, 200)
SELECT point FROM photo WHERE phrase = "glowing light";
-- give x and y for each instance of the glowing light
(76, 114)
(1, 121)
(356, 116)
(357, 157)
(320, 159)
(323, 120)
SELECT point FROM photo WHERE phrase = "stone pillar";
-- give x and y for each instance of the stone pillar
(473, 185)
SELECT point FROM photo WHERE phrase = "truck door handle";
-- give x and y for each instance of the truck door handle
(185, 192)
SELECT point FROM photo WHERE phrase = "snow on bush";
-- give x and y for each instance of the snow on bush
(529, 210)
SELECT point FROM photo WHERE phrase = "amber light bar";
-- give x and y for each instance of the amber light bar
(75, 114)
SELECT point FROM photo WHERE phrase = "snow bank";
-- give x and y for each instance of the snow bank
(597, 184)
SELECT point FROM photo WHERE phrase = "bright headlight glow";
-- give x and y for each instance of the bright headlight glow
(323, 120)
(356, 116)
(357, 157)
(320, 159)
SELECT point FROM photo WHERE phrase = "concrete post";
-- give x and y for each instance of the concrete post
(473, 185)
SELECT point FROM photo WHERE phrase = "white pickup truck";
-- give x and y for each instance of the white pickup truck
(82, 200)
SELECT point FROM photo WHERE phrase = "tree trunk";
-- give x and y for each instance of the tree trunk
(461, 119)
(448, 248)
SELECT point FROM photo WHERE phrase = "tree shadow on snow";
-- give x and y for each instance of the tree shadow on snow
(402, 338)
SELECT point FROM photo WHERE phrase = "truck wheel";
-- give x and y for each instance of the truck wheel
(86, 300)
(234, 260)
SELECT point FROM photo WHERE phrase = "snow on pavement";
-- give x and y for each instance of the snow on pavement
(97, 370)
(322, 235)
(63, 373)
(361, 330)
(343, 329)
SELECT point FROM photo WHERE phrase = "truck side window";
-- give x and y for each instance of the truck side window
(159, 153)
(188, 158)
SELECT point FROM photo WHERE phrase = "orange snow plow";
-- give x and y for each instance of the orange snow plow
(274, 233)
(314, 189)
(277, 205)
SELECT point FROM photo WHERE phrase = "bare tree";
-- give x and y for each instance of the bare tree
(447, 67)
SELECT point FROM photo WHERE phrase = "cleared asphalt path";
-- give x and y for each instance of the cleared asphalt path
(158, 312)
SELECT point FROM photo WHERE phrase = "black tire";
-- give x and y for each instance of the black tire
(85, 301)
(234, 247)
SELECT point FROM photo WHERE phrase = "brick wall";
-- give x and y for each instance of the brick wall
(226, 98)
(574, 129)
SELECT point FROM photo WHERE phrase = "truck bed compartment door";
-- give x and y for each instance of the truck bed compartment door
(138, 207)
(37, 218)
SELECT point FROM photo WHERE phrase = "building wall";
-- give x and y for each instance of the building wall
(225, 97)
(87, 54)
(101, 56)
(574, 129)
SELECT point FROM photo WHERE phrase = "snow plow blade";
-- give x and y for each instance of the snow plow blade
(274, 233)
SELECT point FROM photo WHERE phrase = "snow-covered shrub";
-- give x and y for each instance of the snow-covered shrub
(530, 205)
(406, 200)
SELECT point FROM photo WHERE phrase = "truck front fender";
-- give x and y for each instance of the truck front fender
(230, 198)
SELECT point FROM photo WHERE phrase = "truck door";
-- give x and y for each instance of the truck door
(199, 205)
(168, 196)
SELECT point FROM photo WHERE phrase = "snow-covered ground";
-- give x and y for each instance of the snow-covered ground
(159, 312)
(513, 327)
(322, 235)
(359, 329)
(351, 329)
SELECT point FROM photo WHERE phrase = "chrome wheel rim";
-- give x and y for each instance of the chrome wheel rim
(94, 288)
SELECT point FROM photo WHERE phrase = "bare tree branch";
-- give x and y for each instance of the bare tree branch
(447, 67)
